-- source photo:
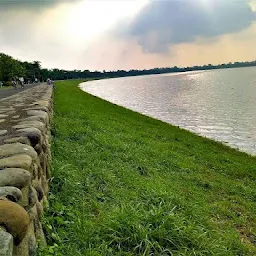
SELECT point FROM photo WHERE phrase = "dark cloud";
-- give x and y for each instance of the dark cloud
(162, 23)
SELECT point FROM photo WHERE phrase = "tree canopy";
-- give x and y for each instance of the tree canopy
(10, 67)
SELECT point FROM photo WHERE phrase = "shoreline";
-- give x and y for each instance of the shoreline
(223, 142)
(126, 184)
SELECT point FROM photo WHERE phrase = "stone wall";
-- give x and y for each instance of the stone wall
(24, 169)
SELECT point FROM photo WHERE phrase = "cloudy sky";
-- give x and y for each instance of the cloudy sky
(128, 34)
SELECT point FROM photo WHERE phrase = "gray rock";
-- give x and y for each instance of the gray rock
(40, 192)
(34, 118)
(33, 134)
(10, 112)
(4, 110)
(32, 197)
(38, 148)
(11, 193)
(17, 161)
(14, 177)
(16, 149)
(2, 120)
(29, 124)
(43, 102)
(39, 113)
(40, 210)
(3, 115)
(2, 132)
(32, 212)
(6, 243)
(45, 109)
(22, 140)
(32, 246)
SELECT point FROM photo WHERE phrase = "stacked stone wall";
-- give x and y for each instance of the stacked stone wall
(24, 169)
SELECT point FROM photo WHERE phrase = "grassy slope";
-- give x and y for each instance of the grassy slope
(126, 184)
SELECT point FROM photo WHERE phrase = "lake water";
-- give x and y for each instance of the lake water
(218, 104)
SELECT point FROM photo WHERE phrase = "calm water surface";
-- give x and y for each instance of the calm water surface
(219, 104)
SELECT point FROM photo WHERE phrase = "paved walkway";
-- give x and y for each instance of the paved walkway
(14, 107)
(9, 92)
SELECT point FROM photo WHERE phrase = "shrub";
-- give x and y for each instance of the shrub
(7, 83)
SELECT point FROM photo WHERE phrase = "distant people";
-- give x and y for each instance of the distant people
(21, 79)
(50, 82)
(53, 85)
(36, 80)
(1, 84)
(14, 83)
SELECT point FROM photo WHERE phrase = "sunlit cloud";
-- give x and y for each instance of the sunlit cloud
(253, 5)
(90, 19)
(111, 34)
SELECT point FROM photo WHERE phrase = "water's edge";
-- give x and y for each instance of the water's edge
(82, 88)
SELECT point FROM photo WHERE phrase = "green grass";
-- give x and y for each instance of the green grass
(126, 184)
(5, 88)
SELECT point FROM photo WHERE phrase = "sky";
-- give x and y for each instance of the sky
(128, 34)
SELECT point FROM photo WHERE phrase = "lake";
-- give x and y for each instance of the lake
(218, 104)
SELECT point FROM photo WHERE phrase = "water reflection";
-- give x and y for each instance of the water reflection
(218, 104)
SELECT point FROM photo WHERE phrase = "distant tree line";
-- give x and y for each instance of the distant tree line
(11, 68)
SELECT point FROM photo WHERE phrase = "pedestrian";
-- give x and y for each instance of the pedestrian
(21, 79)
(14, 83)
(53, 85)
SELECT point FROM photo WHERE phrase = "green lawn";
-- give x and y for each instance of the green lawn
(126, 184)
(5, 88)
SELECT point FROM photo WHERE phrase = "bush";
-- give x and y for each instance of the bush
(7, 83)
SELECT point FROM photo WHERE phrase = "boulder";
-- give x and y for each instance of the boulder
(43, 115)
(15, 177)
(28, 124)
(22, 140)
(40, 210)
(33, 134)
(17, 161)
(32, 197)
(3, 132)
(17, 148)
(15, 219)
(11, 193)
(6, 243)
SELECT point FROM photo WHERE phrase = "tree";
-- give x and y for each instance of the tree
(10, 67)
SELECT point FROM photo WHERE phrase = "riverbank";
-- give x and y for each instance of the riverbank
(126, 184)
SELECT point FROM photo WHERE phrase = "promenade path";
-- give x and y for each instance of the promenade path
(9, 92)
(24, 167)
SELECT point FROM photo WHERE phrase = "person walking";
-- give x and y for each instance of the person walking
(14, 83)
(21, 79)
(53, 85)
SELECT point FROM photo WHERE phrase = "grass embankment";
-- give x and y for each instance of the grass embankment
(126, 184)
